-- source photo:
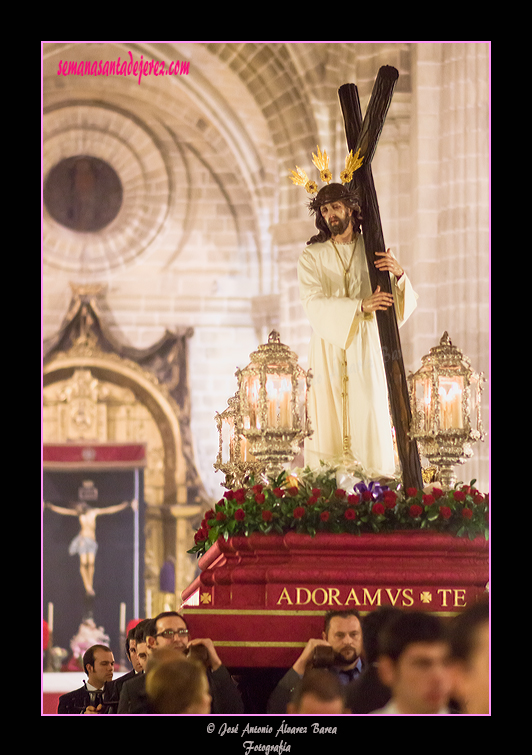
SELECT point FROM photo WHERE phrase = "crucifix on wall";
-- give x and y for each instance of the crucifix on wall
(85, 544)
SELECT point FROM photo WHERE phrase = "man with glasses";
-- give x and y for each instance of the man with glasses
(169, 630)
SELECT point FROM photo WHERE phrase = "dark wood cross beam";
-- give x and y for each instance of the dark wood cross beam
(364, 135)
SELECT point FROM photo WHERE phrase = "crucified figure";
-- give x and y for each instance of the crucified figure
(84, 544)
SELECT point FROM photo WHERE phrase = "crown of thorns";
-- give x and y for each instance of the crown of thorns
(321, 161)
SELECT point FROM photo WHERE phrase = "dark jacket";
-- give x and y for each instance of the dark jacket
(225, 695)
(79, 699)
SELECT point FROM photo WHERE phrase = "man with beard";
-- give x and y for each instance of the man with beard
(348, 402)
(342, 635)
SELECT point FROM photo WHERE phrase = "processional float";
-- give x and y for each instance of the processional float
(281, 546)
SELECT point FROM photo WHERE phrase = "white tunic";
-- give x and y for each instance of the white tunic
(341, 331)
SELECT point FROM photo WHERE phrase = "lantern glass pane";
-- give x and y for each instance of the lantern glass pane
(245, 454)
(474, 403)
(423, 396)
(302, 401)
(228, 430)
(250, 413)
(279, 398)
(450, 392)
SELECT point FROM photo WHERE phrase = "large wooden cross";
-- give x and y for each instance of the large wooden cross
(363, 135)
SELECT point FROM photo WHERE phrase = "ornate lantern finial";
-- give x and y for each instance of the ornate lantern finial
(234, 458)
(272, 393)
(445, 399)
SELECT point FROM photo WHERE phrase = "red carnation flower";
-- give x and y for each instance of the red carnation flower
(278, 492)
(209, 514)
(390, 499)
(267, 515)
(240, 495)
(445, 512)
(459, 495)
(229, 495)
(467, 513)
(260, 497)
(220, 517)
(367, 495)
(428, 500)
(200, 535)
(299, 512)
(292, 490)
(339, 493)
(479, 498)
(353, 499)
(257, 488)
(312, 500)
(415, 511)
(378, 508)
(240, 515)
(316, 492)
(350, 514)
(324, 516)
(437, 493)
(411, 492)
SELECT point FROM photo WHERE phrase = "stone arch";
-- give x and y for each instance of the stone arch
(157, 378)
(126, 374)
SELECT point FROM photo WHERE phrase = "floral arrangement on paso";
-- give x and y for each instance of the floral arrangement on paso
(311, 502)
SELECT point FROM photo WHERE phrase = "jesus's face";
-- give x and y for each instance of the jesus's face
(337, 216)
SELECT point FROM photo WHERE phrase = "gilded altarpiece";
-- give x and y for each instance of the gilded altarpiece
(98, 392)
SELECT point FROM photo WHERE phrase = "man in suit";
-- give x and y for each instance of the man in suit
(132, 697)
(132, 654)
(169, 630)
(99, 691)
(342, 636)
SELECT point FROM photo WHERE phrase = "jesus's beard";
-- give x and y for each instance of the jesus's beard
(338, 225)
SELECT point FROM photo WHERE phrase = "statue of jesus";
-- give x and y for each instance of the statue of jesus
(348, 403)
(84, 544)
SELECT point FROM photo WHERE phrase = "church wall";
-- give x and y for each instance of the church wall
(224, 261)
(450, 172)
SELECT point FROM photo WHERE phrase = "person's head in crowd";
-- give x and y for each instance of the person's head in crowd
(372, 624)
(318, 692)
(470, 658)
(413, 662)
(176, 684)
(99, 665)
(131, 650)
(343, 631)
(169, 630)
(142, 631)
(139, 632)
